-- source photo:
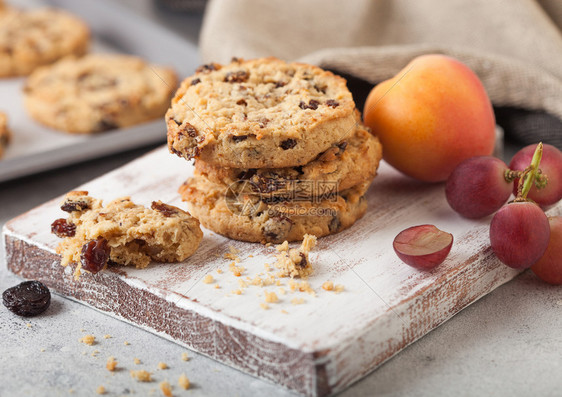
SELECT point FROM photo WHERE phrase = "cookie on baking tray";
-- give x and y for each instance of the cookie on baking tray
(259, 219)
(98, 92)
(32, 38)
(123, 233)
(5, 134)
(262, 113)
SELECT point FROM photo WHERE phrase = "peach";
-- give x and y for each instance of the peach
(432, 115)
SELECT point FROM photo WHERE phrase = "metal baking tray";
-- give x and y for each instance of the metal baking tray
(115, 28)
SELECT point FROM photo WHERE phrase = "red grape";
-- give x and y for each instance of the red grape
(550, 166)
(477, 187)
(549, 267)
(423, 246)
(519, 233)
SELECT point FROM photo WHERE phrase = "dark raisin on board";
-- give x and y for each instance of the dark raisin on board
(27, 299)
(242, 102)
(332, 103)
(195, 81)
(288, 144)
(303, 262)
(95, 255)
(62, 228)
(164, 209)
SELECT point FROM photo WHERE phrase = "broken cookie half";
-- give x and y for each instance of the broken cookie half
(123, 233)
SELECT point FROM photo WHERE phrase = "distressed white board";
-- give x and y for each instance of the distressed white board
(318, 347)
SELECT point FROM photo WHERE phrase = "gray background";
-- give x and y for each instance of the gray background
(507, 344)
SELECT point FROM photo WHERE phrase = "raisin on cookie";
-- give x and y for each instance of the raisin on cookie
(256, 219)
(261, 113)
(29, 39)
(98, 92)
(343, 165)
(5, 134)
(123, 233)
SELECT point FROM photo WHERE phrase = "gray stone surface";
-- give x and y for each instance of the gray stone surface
(507, 344)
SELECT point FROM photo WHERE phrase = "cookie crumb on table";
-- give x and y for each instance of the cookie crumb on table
(107, 336)
(141, 375)
(126, 343)
(208, 279)
(137, 361)
(162, 365)
(111, 364)
(88, 339)
(264, 306)
(328, 286)
(183, 382)
(166, 388)
(297, 301)
(185, 356)
(100, 390)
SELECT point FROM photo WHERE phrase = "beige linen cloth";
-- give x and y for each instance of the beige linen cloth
(515, 46)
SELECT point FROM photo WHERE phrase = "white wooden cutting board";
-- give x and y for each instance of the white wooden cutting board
(315, 348)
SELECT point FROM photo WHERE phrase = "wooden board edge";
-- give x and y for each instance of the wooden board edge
(409, 320)
(299, 371)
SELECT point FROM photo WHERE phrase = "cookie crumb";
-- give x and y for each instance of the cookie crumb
(141, 375)
(126, 343)
(328, 286)
(284, 311)
(294, 262)
(297, 301)
(338, 288)
(95, 353)
(237, 292)
(264, 306)
(166, 388)
(137, 361)
(100, 390)
(208, 279)
(183, 382)
(185, 356)
(107, 336)
(88, 340)
(42, 350)
(162, 365)
(28, 325)
(217, 286)
(111, 364)
(219, 271)
(271, 297)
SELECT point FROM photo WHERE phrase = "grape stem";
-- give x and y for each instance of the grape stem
(529, 175)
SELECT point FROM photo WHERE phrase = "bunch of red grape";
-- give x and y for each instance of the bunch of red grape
(521, 235)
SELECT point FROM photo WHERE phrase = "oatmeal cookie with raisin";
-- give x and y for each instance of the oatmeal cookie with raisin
(32, 38)
(98, 92)
(123, 233)
(259, 219)
(262, 113)
(345, 164)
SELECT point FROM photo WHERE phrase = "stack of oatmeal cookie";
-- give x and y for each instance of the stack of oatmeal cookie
(279, 150)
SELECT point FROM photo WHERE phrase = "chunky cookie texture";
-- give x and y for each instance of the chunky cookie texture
(257, 219)
(295, 262)
(29, 39)
(262, 113)
(98, 92)
(5, 134)
(345, 164)
(123, 233)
